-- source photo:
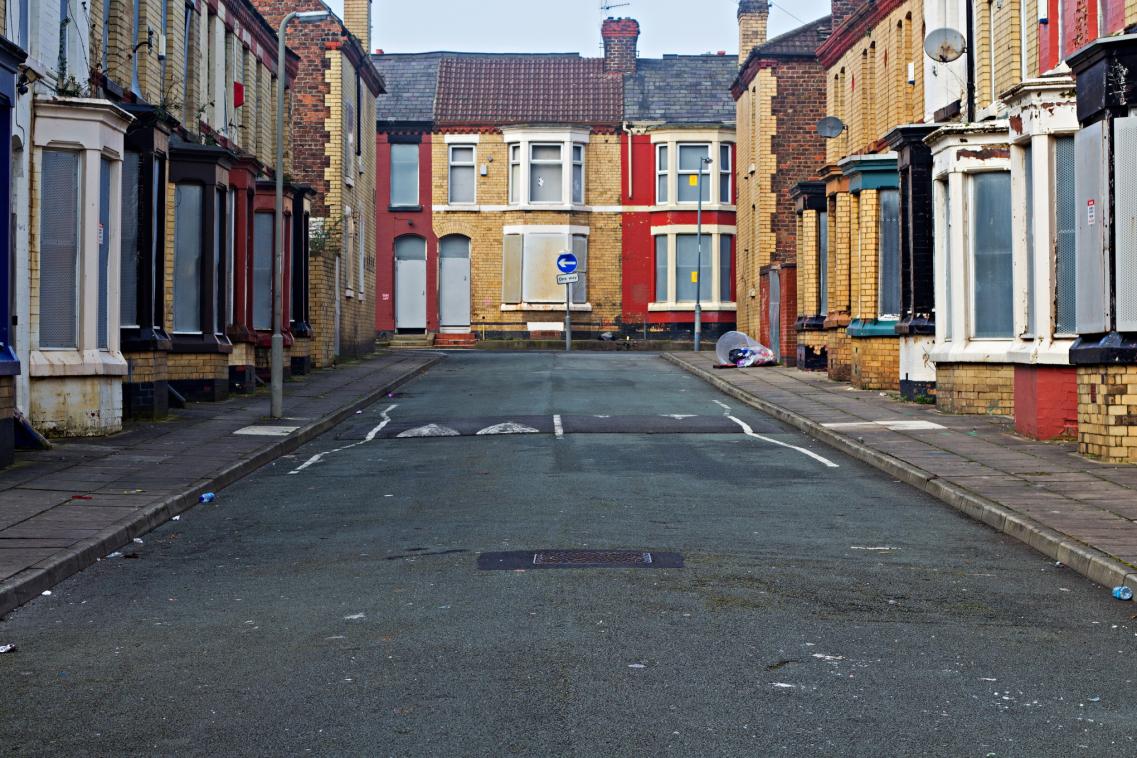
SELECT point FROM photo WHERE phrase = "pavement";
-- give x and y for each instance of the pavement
(63, 509)
(333, 602)
(1072, 509)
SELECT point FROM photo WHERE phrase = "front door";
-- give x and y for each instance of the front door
(454, 284)
(775, 321)
(410, 284)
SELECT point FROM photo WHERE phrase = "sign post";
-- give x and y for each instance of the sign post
(566, 264)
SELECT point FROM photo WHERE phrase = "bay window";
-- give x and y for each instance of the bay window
(725, 174)
(681, 167)
(693, 165)
(529, 265)
(188, 200)
(661, 174)
(680, 275)
(1066, 227)
(888, 302)
(59, 250)
(546, 166)
(264, 237)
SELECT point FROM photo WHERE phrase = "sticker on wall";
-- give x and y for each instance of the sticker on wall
(100, 234)
(1091, 212)
(386, 296)
(693, 180)
(694, 277)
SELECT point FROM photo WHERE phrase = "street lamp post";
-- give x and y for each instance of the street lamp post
(277, 377)
(699, 261)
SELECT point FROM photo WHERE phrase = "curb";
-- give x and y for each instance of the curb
(1086, 560)
(29, 583)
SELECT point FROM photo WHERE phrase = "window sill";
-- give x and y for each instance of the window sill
(349, 293)
(404, 208)
(973, 351)
(872, 328)
(72, 362)
(545, 307)
(654, 307)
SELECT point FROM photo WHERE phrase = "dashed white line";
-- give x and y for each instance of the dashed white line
(751, 433)
(722, 405)
(385, 415)
(558, 428)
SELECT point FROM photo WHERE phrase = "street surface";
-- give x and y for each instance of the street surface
(332, 603)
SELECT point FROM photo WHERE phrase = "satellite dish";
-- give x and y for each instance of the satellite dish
(830, 127)
(944, 45)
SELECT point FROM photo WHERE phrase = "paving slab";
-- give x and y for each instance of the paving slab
(1071, 508)
(65, 508)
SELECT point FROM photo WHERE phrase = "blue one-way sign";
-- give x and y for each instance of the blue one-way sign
(566, 262)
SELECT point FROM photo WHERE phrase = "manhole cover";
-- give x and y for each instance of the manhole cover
(545, 559)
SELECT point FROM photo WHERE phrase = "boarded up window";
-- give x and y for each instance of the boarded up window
(59, 249)
(511, 269)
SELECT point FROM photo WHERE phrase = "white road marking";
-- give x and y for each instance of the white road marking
(266, 431)
(874, 549)
(509, 427)
(751, 433)
(558, 429)
(677, 416)
(899, 425)
(430, 430)
(722, 405)
(385, 415)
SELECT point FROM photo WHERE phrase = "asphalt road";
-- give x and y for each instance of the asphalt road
(332, 604)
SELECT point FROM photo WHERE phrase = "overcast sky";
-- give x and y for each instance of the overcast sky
(570, 26)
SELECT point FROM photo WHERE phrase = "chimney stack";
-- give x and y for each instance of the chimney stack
(753, 17)
(357, 19)
(621, 36)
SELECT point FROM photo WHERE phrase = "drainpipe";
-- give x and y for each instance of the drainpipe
(631, 172)
(970, 48)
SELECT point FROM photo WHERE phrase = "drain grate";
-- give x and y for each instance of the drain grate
(552, 559)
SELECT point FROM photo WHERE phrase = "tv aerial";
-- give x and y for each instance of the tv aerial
(945, 45)
(607, 5)
(830, 127)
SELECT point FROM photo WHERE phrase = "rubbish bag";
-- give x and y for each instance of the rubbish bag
(740, 350)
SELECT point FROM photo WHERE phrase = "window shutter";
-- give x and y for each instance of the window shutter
(889, 294)
(131, 201)
(102, 305)
(263, 224)
(59, 250)
(188, 199)
(511, 269)
(991, 255)
(580, 250)
(1065, 253)
(1092, 273)
(1125, 194)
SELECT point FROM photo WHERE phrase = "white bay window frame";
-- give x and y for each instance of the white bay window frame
(521, 142)
(717, 178)
(713, 235)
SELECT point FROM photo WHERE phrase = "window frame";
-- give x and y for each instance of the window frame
(718, 179)
(726, 173)
(713, 237)
(662, 173)
(881, 314)
(76, 238)
(705, 169)
(532, 162)
(407, 147)
(472, 165)
(521, 143)
(972, 263)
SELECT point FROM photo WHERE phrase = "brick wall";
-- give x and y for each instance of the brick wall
(840, 355)
(7, 397)
(875, 363)
(1107, 413)
(1130, 12)
(999, 24)
(868, 87)
(976, 388)
(753, 17)
(840, 248)
(866, 258)
(808, 293)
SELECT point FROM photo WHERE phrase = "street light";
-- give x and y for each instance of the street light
(277, 376)
(699, 263)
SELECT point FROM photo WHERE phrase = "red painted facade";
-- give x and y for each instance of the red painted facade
(1073, 24)
(391, 224)
(638, 273)
(1046, 401)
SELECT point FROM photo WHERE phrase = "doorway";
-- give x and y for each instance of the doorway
(454, 284)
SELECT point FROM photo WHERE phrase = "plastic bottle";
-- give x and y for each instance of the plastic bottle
(1123, 593)
(209, 497)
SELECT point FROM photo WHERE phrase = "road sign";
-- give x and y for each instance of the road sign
(568, 278)
(567, 263)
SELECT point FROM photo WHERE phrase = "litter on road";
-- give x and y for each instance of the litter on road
(7, 649)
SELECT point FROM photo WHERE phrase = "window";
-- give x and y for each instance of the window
(1066, 226)
(694, 172)
(361, 255)
(348, 247)
(230, 257)
(59, 250)
(546, 173)
(165, 27)
(529, 267)
(462, 174)
(219, 262)
(187, 106)
(106, 40)
(404, 175)
(680, 276)
(515, 173)
(944, 309)
(349, 131)
(131, 254)
(725, 195)
(991, 254)
(578, 174)
(264, 224)
(823, 262)
(661, 174)
(888, 304)
(136, 22)
(188, 202)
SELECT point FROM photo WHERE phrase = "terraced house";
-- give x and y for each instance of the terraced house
(491, 165)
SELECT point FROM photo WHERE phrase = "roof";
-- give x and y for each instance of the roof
(412, 86)
(517, 89)
(802, 41)
(687, 89)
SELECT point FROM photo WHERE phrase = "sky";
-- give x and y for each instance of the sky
(567, 26)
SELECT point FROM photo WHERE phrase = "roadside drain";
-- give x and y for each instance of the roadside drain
(562, 559)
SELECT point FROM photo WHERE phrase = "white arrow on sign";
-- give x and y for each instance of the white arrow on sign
(568, 278)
